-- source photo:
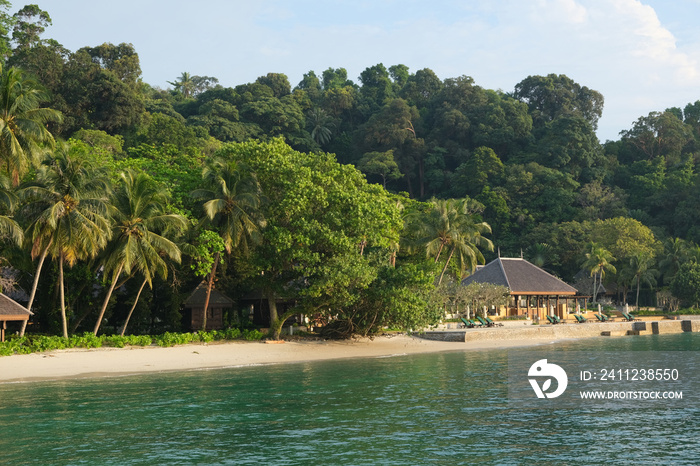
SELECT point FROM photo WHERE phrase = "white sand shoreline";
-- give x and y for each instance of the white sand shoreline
(113, 362)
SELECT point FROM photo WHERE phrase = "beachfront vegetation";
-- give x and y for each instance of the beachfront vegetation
(38, 343)
(354, 203)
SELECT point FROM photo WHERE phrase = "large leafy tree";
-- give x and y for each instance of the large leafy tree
(27, 26)
(657, 134)
(101, 89)
(553, 96)
(23, 122)
(138, 242)
(686, 283)
(325, 226)
(393, 128)
(381, 164)
(67, 205)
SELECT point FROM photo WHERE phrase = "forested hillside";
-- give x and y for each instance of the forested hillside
(268, 166)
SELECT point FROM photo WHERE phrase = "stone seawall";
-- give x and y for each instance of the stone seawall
(566, 331)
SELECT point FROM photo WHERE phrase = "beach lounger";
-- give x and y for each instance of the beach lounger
(557, 320)
(551, 320)
(483, 322)
(476, 323)
(468, 323)
(580, 319)
(493, 323)
(628, 317)
(602, 317)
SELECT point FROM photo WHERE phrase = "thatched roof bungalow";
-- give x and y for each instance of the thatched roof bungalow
(533, 290)
(11, 311)
(193, 315)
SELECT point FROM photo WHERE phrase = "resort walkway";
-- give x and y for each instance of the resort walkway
(565, 331)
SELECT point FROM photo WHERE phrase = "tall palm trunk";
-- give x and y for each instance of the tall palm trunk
(210, 285)
(35, 285)
(442, 245)
(595, 288)
(64, 320)
(106, 301)
(138, 295)
(452, 251)
(636, 304)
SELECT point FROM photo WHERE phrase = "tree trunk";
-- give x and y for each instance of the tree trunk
(138, 295)
(442, 245)
(210, 285)
(34, 286)
(272, 306)
(106, 301)
(595, 290)
(64, 320)
(637, 302)
(446, 264)
(276, 327)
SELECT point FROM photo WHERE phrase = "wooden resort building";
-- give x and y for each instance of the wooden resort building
(193, 314)
(11, 311)
(534, 293)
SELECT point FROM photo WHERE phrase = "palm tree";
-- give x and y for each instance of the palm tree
(640, 268)
(321, 126)
(598, 261)
(9, 229)
(540, 254)
(23, 122)
(232, 200)
(675, 252)
(140, 210)
(185, 84)
(452, 224)
(70, 219)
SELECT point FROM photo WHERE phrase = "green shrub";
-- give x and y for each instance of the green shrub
(40, 343)
(86, 340)
(232, 333)
(207, 337)
(252, 335)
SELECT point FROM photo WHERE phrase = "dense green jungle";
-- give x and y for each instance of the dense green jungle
(358, 202)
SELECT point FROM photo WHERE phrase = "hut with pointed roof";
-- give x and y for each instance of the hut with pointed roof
(11, 311)
(533, 291)
(193, 314)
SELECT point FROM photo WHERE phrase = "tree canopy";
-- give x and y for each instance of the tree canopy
(332, 175)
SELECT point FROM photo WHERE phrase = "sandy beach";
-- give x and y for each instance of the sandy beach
(101, 362)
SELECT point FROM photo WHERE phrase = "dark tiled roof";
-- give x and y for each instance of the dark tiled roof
(199, 295)
(8, 307)
(520, 276)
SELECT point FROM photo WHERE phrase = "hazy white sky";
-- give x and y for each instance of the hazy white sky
(642, 55)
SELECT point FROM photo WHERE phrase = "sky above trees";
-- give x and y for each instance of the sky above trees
(642, 56)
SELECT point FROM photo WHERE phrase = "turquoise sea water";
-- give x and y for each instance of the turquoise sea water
(445, 408)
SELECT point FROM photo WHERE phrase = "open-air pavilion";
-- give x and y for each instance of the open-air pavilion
(11, 311)
(534, 292)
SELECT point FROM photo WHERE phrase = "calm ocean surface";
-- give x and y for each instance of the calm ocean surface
(446, 408)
